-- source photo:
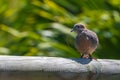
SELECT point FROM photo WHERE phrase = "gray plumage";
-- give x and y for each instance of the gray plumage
(86, 40)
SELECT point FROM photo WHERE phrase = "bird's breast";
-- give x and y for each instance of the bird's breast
(85, 42)
(81, 42)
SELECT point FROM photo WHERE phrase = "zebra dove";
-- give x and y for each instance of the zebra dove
(86, 40)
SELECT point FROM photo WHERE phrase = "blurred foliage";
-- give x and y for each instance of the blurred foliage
(42, 27)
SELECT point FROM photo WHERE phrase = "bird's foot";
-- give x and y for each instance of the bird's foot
(88, 57)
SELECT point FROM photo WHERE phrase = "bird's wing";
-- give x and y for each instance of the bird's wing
(90, 35)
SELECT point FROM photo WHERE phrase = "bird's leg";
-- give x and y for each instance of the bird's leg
(90, 57)
(86, 56)
(82, 56)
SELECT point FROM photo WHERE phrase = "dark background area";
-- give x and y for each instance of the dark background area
(42, 27)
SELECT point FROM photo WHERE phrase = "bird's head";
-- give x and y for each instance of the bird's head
(78, 27)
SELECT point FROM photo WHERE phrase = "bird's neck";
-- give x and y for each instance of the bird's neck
(80, 31)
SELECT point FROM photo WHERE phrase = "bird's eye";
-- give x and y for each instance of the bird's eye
(77, 26)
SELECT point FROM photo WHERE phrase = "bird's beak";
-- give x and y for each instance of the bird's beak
(72, 30)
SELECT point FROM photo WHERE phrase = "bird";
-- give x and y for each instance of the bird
(86, 40)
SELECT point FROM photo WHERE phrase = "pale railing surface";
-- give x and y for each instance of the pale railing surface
(56, 68)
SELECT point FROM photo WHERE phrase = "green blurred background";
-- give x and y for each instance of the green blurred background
(42, 27)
